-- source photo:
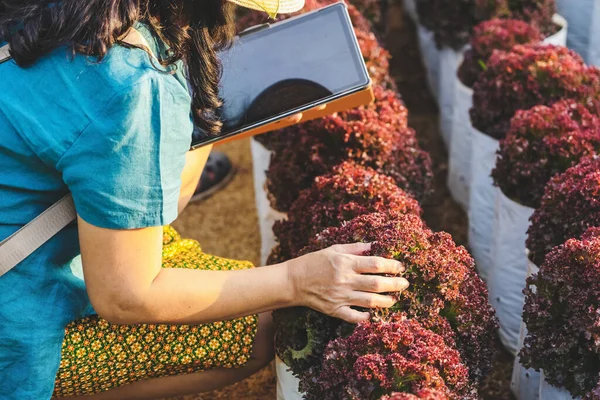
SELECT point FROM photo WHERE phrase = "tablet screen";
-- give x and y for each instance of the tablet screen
(288, 65)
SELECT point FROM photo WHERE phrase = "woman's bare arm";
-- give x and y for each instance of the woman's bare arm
(195, 161)
(127, 285)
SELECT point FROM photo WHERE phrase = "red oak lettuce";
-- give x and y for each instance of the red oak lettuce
(539, 13)
(392, 355)
(495, 34)
(528, 76)
(452, 21)
(541, 143)
(375, 136)
(562, 313)
(570, 205)
(423, 394)
(445, 295)
(349, 191)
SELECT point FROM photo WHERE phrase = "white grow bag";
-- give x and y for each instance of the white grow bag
(287, 383)
(410, 7)
(459, 153)
(509, 271)
(525, 383)
(583, 17)
(449, 62)
(266, 214)
(431, 58)
(549, 392)
(482, 200)
(560, 37)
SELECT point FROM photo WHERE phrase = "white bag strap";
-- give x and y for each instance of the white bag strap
(4, 53)
(30, 237)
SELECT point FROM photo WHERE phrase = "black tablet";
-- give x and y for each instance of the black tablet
(273, 71)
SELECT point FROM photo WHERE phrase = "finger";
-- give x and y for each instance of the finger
(372, 300)
(353, 316)
(379, 284)
(321, 107)
(377, 265)
(295, 118)
(356, 249)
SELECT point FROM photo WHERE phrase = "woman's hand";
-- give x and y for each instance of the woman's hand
(334, 279)
(297, 118)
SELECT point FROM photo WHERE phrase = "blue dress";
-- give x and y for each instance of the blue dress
(114, 133)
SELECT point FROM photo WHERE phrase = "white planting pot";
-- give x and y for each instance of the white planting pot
(449, 62)
(509, 271)
(560, 37)
(583, 17)
(593, 57)
(459, 168)
(266, 214)
(525, 383)
(431, 58)
(410, 7)
(482, 200)
(459, 153)
(549, 392)
(287, 383)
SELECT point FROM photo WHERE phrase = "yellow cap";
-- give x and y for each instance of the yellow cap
(272, 7)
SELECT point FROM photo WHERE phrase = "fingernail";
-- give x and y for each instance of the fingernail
(400, 267)
(403, 284)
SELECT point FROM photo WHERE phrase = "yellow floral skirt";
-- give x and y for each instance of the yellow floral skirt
(98, 356)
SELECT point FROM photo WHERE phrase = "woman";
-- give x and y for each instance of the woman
(95, 102)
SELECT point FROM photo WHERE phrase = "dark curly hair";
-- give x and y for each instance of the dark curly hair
(195, 31)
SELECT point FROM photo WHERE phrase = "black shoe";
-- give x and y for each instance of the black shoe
(218, 172)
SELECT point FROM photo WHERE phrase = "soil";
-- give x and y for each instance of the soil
(226, 224)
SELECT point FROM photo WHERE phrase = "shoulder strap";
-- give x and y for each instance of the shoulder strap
(29, 238)
(4, 53)
(32, 236)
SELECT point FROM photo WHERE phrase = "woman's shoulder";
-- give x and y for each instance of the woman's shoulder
(57, 98)
(62, 76)
(121, 68)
